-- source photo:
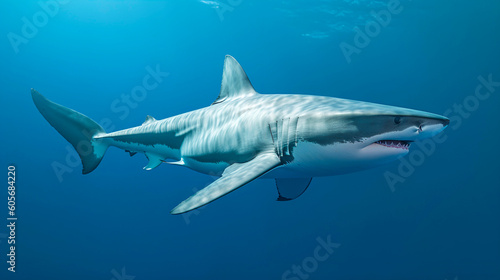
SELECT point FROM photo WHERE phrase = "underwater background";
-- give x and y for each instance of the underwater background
(434, 214)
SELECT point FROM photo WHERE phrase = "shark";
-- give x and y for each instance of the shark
(244, 135)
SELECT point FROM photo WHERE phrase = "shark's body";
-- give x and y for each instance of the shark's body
(245, 135)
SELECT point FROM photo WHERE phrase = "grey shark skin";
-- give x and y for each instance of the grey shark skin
(245, 135)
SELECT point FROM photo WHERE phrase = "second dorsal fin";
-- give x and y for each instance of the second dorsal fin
(148, 120)
(235, 82)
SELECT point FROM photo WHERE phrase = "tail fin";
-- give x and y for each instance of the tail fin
(77, 128)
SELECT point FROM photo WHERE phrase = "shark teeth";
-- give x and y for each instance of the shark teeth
(395, 144)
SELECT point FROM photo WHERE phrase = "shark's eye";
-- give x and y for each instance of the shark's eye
(397, 120)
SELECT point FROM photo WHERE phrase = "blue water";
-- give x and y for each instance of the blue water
(439, 220)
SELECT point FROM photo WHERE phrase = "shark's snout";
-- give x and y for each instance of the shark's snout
(445, 121)
(432, 126)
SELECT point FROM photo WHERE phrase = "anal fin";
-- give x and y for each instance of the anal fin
(154, 161)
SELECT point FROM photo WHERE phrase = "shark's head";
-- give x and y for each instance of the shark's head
(385, 132)
(364, 134)
(386, 135)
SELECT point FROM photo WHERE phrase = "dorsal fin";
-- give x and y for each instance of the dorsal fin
(149, 119)
(235, 82)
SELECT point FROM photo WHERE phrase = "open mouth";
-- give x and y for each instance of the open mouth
(395, 144)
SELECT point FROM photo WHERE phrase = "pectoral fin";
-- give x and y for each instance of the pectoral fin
(235, 176)
(291, 188)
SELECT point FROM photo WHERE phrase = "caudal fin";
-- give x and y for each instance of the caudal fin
(75, 127)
